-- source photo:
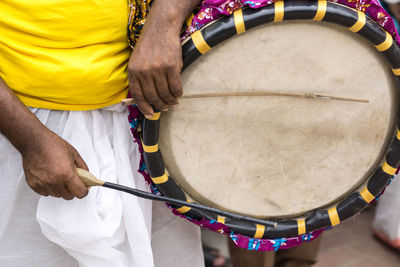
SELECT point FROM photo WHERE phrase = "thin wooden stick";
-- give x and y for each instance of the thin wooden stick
(130, 101)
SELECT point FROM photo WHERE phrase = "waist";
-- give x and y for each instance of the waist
(67, 79)
(74, 103)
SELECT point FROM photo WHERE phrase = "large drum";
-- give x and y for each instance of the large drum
(289, 123)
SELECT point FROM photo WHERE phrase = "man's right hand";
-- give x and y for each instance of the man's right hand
(50, 168)
(49, 161)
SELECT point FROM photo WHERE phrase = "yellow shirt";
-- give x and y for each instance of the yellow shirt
(65, 54)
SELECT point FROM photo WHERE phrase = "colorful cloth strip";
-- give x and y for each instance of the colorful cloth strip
(138, 10)
(211, 10)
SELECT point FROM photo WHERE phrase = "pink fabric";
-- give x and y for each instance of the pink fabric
(253, 243)
(211, 10)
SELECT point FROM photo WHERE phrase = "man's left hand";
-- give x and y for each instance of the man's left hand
(154, 70)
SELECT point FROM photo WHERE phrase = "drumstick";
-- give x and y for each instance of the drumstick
(90, 180)
(130, 101)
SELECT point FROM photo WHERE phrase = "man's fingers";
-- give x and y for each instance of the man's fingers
(63, 192)
(36, 186)
(53, 194)
(151, 94)
(175, 82)
(163, 90)
(77, 187)
(41, 191)
(138, 97)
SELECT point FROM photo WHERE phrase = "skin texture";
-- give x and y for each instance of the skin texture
(49, 162)
(154, 72)
(156, 62)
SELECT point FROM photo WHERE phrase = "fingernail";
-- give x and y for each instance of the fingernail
(166, 109)
(149, 116)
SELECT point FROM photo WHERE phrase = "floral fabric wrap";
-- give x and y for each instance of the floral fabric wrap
(211, 10)
(138, 10)
(208, 11)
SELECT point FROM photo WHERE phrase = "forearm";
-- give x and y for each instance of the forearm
(17, 122)
(49, 162)
(169, 14)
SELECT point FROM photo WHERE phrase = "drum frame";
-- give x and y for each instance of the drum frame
(243, 19)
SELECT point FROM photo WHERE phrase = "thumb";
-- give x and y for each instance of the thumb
(75, 185)
(79, 162)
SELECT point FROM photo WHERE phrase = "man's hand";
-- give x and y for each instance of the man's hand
(156, 62)
(50, 168)
(49, 162)
(154, 71)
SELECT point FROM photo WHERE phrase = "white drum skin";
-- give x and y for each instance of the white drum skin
(278, 156)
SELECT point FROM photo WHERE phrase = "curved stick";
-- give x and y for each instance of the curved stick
(90, 180)
(130, 101)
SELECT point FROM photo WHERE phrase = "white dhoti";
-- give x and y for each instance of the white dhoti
(106, 228)
(386, 223)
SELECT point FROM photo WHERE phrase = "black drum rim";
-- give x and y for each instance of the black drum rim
(244, 19)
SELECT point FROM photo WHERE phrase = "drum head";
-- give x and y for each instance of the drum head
(290, 162)
(278, 156)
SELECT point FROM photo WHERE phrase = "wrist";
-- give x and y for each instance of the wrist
(170, 15)
(166, 25)
(174, 19)
(18, 124)
(31, 140)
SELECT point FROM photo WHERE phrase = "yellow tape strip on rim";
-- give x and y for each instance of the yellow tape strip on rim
(150, 149)
(260, 231)
(322, 6)
(333, 216)
(279, 11)
(396, 72)
(301, 225)
(362, 19)
(386, 44)
(200, 43)
(221, 219)
(388, 169)
(183, 209)
(239, 21)
(366, 195)
(161, 179)
(156, 116)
